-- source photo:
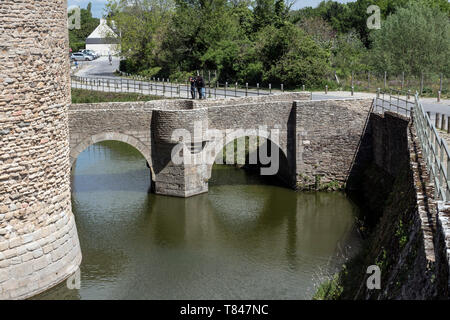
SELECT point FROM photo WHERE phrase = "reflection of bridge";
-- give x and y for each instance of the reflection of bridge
(316, 138)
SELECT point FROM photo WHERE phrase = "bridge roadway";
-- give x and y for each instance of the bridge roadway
(101, 69)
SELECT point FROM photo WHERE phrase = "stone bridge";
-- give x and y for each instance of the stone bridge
(316, 142)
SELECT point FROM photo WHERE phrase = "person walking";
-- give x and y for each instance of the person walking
(201, 87)
(193, 86)
(110, 59)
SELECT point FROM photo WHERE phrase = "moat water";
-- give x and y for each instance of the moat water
(245, 239)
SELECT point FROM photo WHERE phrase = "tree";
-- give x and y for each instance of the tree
(244, 15)
(270, 12)
(349, 54)
(264, 12)
(142, 25)
(415, 39)
(319, 29)
(337, 14)
(77, 37)
(291, 57)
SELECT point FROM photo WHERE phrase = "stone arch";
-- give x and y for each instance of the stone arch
(220, 145)
(115, 136)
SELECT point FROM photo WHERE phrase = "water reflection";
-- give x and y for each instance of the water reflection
(243, 240)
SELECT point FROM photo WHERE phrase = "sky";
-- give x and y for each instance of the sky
(98, 5)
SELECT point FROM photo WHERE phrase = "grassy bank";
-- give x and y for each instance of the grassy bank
(87, 96)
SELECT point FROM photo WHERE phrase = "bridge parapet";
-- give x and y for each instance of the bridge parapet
(288, 96)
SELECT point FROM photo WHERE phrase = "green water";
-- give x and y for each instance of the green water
(245, 239)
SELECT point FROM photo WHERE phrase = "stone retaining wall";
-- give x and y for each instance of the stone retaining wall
(406, 242)
(328, 133)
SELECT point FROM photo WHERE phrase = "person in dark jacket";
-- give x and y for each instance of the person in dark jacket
(200, 83)
(193, 86)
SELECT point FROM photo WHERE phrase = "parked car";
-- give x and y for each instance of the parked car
(91, 52)
(90, 55)
(79, 56)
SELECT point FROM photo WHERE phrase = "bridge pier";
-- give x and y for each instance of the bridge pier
(173, 175)
(179, 180)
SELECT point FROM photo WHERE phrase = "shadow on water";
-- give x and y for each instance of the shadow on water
(245, 239)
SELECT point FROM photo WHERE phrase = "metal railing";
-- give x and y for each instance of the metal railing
(393, 100)
(165, 88)
(435, 151)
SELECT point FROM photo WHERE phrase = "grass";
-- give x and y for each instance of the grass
(87, 96)
(329, 290)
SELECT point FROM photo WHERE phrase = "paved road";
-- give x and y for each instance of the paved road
(100, 68)
(105, 80)
(429, 104)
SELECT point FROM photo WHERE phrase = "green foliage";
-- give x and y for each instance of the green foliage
(269, 12)
(414, 35)
(263, 41)
(291, 57)
(349, 54)
(241, 44)
(382, 261)
(352, 16)
(416, 39)
(401, 234)
(320, 30)
(329, 290)
(77, 37)
(87, 96)
(142, 25)
(181, 76)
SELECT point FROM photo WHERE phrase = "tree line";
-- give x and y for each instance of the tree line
(266, 41)
(77, 37)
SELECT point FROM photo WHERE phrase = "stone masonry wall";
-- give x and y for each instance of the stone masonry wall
(140, 123)
(287, 96)
(316, 138)
(128, 125)
(39, 244)
(405, 242)
(327, 136)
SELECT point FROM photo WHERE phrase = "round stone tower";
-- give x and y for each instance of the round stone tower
(39, 244)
